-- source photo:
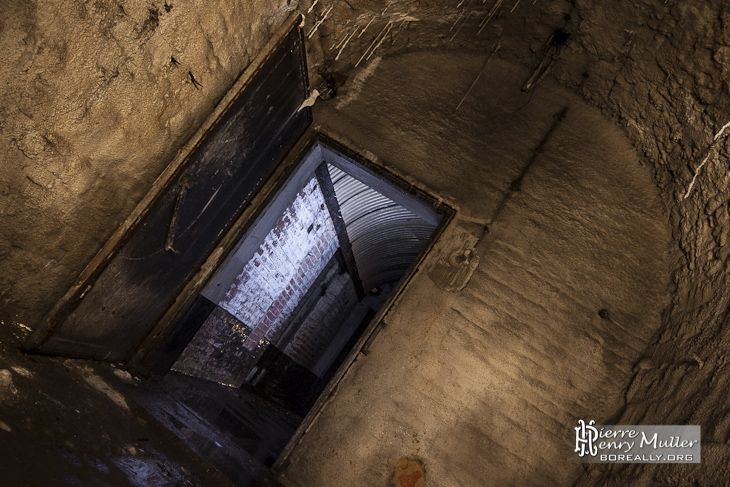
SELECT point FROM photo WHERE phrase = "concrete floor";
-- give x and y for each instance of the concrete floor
(70, 423)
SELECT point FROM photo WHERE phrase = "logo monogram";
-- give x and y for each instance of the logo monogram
(585, 437)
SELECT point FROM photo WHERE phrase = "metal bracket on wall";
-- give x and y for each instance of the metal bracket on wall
(185, 183)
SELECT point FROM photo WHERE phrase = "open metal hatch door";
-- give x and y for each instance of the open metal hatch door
(137, 275)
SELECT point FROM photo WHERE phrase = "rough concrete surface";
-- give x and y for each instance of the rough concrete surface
(659, 69)
(96, 99)
(624, 210)
(70, 423)
(485, 384)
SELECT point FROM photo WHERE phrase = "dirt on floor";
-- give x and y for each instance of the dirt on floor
(68, 422)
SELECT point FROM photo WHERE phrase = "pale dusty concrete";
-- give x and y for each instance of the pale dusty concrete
(486, 384)
(93, 108)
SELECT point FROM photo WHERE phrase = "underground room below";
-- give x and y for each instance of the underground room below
(295, 300)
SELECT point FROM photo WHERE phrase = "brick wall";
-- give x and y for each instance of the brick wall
(291, 257)
(266, 291)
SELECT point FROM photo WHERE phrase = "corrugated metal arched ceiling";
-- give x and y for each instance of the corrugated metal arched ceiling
(386, 237)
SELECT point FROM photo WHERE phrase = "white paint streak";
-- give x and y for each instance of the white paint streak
(694, 178)
(496, 48)
(312, 6)
(462, 25)
(339, 43)
(319, 22)
(697, 171)
(456, 21)
(345, 45)
(390, 26)
(408, 18)
(309, 101)
(357, 83)
(489, 16)
(124, 375)
(26, 328)
(22, 371)
(366, 27)
(7, 388)
(372, 44)
(397, 33)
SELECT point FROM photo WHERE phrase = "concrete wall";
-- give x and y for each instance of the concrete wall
(485, 384)
(660, 70)
(93, 107)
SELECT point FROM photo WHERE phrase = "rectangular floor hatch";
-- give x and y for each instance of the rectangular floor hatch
(266, 338)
